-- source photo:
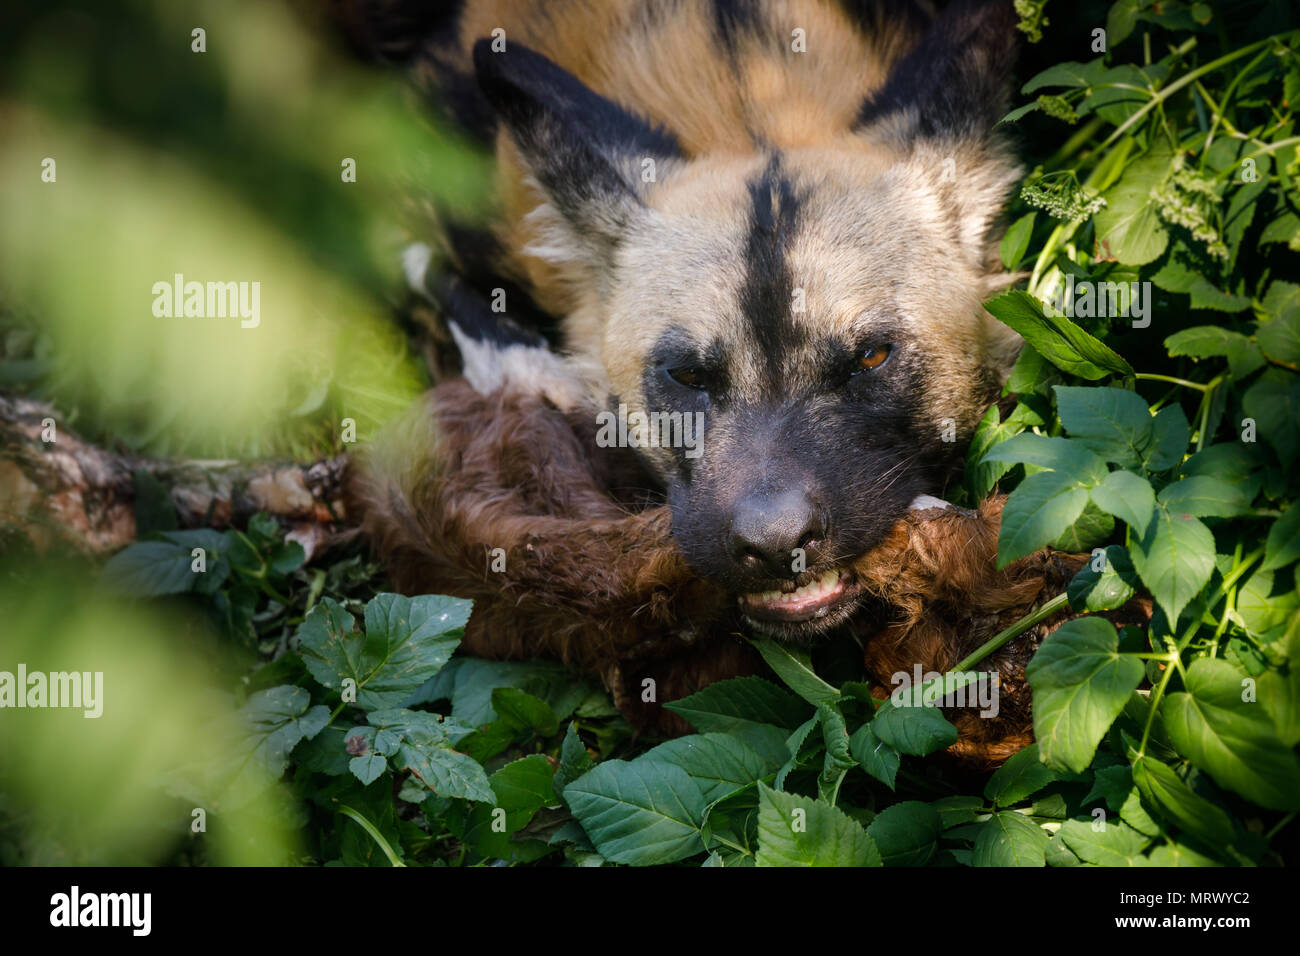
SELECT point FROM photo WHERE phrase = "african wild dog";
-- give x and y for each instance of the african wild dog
(779, 214)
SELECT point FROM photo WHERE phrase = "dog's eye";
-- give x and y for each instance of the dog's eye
(692, 376)
(873, 358)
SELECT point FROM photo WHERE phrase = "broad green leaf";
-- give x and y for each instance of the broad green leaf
(874, 755)
(275, 720)
(798, 831)
(520, 788)
(1203, 341)
(1273, 402)
(955, 811)
(1259, 611)
(1115, 844)
(1171, 798)
(1202, 496)
(1113, 422)
(1069, 74)
(1279, 338)
(720, 764)
(1058, 454)
(1279, 692)
(574, 759)
(1041, 508)
(1128, 497)
(1169, 441)
(446, 772)
(1080, 683)
(1175, 558)
(1174, 854)
(1233, 741)
(1056, 338)
(523, 712)
(1091, 528)
(741, 701)
(794, 667)
(153, 568)
(914, 730)
(1016, 240)
(1024, 773)
(1107, 589)
(907, 833)
(640, 813)
(407, 641)
(1009, 839)
(1128, 228)
(1283, 540)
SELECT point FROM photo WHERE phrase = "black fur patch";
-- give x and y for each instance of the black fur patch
(477, 256)
(767, 293)
(473, 315)
(571, 135)
(956, 77)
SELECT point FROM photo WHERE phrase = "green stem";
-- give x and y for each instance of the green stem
(1016, 629)
(374, 834)
(1153, 377)
(1177, 85)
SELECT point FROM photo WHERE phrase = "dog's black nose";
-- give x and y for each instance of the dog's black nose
(766, 530)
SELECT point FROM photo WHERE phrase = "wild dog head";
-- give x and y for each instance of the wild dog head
(818, 301)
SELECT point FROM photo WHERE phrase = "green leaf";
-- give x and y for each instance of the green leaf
(914, 730)
(1175, 558)
(1279, 339)
(523, 712)
(1016, 240)
(906, 834)
(1090, 529)
(1128, 497)
(1056, 338)
(1176, 855)
(1041, 508)
(720, 764)
(955, 811)
(574, 759)
(275, 720)
(1112, 422)
(874, 755)
(1024, 773)
(1128, 228)
(1171, 798)
(153, 568)
(1274, 403)
(1069, 74)
(520, 788)
(1283, 545)
(1115, 845)
(1121, 20)
(1107, 589)
(446, 772)
(1202, 496)
(1169, 441)
(739, 702)
(798, 831)
(407, 641)
(640, 813)
(1233, 741)
(1009, 839)
(795, 668)
(1080, 683)
(1058, 454)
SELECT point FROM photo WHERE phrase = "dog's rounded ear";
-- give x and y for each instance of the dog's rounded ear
(939, 109)
(586, 152)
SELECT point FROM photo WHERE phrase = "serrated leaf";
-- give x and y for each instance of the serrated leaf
(1016, 240)
(1009, 839)
(1056, 338)
(907, 833)
(1080, 683)
(798, 831)
(874, 755)
(407, 641)
(1023, 774)
(1233, 741)
(1107, 589)
(727, 705)
(1058, 454)
(1203, 496)
(1129, 228)
(1171, 798)
(1283, 545)
(1112, 422)
(1175, 558)
(720, 764)
(1116, 845)
(1041, 508)
(914, 730)
(1171, 433)
(640, 813)
(1128, 497)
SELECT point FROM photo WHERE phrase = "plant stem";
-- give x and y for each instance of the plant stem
(374, 834)
(1153, 377)
(1022, 625)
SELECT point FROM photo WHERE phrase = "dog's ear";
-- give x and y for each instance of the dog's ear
(938, 110)
(586, 152)
(954, 84)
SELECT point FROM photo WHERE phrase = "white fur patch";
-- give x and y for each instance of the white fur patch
(489, 367)
(925, 502)
(415, 263)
